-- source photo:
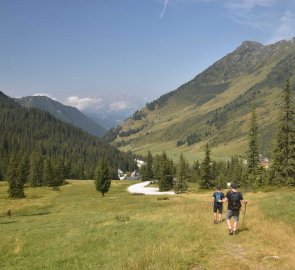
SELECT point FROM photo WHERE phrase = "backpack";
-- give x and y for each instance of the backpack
(217, 197)
(235, 198)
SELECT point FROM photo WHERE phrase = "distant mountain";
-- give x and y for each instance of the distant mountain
(7, 100)
(215, 106)
(108, 120)
(26, 130)
(64, 113)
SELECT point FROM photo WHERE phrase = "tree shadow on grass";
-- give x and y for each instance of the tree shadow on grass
(7, 222)
(44, 213)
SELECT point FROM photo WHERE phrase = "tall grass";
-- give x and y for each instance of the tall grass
(76, 228)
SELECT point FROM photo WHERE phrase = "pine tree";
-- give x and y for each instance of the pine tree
(283, 166)
(206, 179)
(58, 174)
(48, 176)
(16, 186)
(149, 167)
(36, 169)
(180, 185)
(143, 173)
(252, 174)
(253, 155)
(165, 173)
(102, 180)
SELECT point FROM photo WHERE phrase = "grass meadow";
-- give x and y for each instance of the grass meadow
(76, 228)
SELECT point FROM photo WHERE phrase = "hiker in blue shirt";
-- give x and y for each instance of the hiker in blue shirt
(217, 200)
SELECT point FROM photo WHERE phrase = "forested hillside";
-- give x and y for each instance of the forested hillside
(29, 131)
(64, 113)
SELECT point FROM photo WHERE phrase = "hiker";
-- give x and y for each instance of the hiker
(217, 204)
(235, 200)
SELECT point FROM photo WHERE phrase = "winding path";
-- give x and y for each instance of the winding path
(141, 188)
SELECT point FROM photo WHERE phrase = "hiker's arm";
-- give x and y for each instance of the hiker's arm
(212, 201)
(224, 200)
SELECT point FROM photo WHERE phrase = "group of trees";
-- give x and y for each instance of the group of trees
(170, 175)
(246, 172)
(38, 136)
(33, 171)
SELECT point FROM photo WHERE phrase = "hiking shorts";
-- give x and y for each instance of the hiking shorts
(233, 213)
(217, 207)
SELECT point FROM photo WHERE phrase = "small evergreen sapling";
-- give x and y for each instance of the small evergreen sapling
(102, 180)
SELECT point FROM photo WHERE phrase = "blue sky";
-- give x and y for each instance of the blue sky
(89, 53)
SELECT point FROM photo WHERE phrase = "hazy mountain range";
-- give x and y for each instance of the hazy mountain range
(64, 113)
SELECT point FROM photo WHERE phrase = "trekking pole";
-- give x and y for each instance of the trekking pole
(244, 215)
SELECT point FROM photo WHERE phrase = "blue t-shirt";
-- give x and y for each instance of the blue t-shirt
(218, 196)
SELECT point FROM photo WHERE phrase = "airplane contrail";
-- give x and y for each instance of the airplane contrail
(164, 9)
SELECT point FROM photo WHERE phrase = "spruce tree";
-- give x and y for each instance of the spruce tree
(102, 180)
(165, 173)
(180, 185)
(14, 177)
(149, 167)
(58, 174)
(206, 167)
(48, 175)
(36, 169)
(283, 165)
(253, 155)
(251, 178)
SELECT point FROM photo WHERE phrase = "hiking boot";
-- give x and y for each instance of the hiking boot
(215, 222)
(230, 231)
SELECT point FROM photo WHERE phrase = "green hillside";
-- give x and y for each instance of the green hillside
(215, 106)
(27, 130)
(64, 113)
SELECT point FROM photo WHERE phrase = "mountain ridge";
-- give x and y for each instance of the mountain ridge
(63, 112)
(214, 106)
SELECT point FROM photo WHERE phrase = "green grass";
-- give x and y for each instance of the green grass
(280, 207)
(76, 228)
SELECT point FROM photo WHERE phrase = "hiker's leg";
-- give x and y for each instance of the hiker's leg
(220, 213)
(236, 220)
(228, 217)
(215, 216)
(215, 213)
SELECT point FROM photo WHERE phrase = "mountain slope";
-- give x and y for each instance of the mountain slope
(215, 106)
(25, 130)
(64, 113)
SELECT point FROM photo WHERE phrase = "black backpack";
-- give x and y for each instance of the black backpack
(235, 198)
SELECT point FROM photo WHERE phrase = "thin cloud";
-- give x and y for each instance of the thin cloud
(285, 28)
(118, 105)
(43, 95)
(164, 8)
(85, 103)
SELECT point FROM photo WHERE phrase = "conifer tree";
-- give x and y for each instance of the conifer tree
(253, 155)
(251, 178)
(206, 179)
(180, 185)
(16, 186)
(149, 167)
(102, 180)
(48, 176)
(58, 174)
(36, 169)
(283, 166)
(165, 173)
